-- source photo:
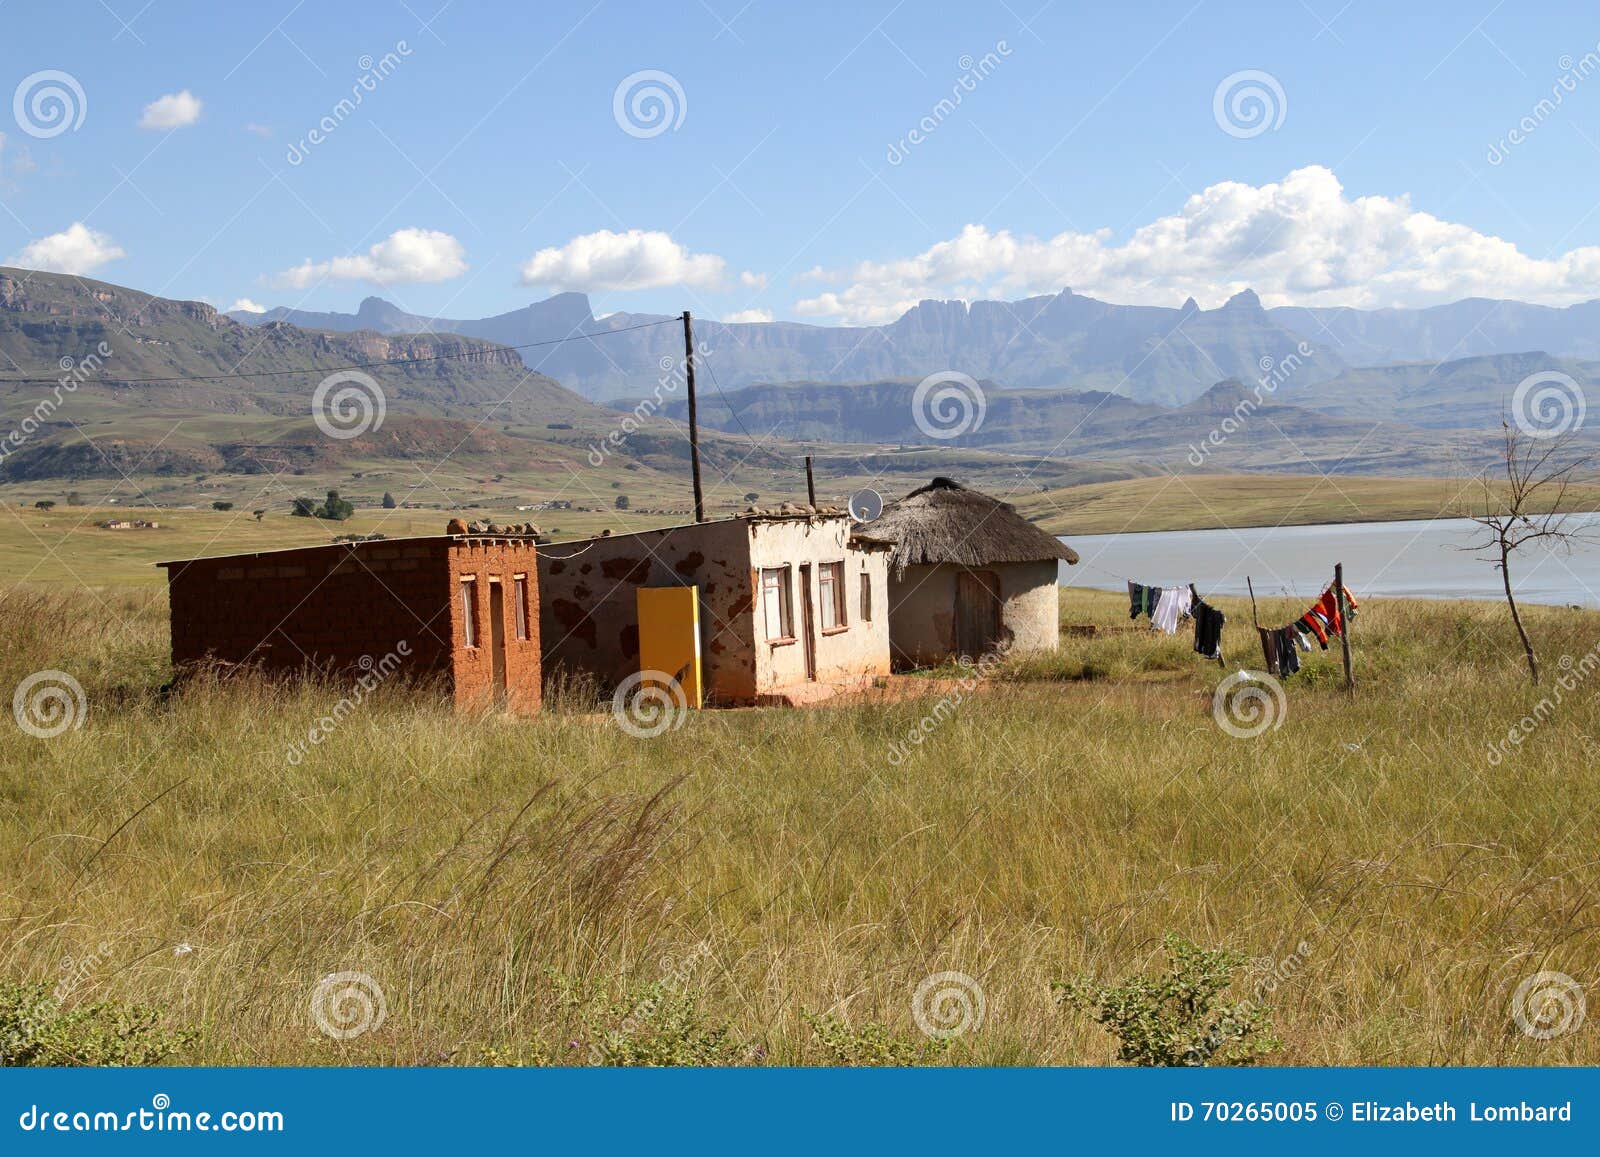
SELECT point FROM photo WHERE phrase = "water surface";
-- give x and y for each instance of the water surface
(1420, 559)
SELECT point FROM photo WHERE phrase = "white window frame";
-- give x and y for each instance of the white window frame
(832, 602)
(777, 584)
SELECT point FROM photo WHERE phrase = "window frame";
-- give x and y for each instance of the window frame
(778, 579)
(865, 607)
(469, 611)
(831, 598)
(519, 595)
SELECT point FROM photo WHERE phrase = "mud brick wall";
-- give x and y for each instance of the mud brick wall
(589, 610)
(345, 607)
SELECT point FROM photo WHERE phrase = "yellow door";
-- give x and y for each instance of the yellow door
(669, 636)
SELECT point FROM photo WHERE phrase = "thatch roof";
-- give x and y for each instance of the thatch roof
(944, 522)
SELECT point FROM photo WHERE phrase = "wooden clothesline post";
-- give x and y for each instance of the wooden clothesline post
(1344, 627)
(1254, 618)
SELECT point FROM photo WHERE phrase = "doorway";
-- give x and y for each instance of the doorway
(808, 627)
(497, 639)
(978, 629)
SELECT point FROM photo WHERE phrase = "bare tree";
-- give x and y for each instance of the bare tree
(1527, 506)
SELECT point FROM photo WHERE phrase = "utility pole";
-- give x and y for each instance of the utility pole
(694, 418)
(811, 484)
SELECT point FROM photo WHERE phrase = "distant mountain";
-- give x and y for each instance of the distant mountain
(1066, 340)
(1256, 431)
(74, 411)
(1149, 353)
(1474, 327)
(1463, 393)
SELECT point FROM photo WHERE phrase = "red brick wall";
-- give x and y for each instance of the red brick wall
(502, 559)
(345, 607)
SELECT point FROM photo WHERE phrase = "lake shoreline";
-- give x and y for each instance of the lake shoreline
(1067, 537)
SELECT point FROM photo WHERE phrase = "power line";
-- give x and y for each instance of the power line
(332, 369)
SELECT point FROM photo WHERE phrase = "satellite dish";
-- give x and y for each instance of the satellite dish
(866, 505)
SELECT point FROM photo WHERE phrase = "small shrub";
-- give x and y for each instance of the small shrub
(649, 1025)
(1175, 1018)
(871, 1044)
(35, 1030)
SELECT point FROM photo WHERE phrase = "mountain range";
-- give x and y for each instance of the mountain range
(1084, 388)
(1168, 356)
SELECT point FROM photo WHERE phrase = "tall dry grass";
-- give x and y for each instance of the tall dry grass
(1057, 819)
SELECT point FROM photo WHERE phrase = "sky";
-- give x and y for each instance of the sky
(826, 163)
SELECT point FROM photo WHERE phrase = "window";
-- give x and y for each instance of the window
(866, 598)
(519, 593)
(469, 611)
(775, 603)
(830, 594)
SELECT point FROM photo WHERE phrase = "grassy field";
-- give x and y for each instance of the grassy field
(1207, 501)
(514, 888)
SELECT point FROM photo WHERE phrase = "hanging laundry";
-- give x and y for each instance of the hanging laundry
(1173, 605)
(1350, 603)
(1208, 623)
(1288, 653)
(1142, 599)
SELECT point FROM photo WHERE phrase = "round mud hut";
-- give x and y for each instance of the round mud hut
(967, 575)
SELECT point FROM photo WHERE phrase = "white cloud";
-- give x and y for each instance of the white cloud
(173, 111)
(244, 304)
(748, 315)
(405, 256)
(1299, 241)
(753, 280)
(259, 130)
(633, 260)
(76, 249)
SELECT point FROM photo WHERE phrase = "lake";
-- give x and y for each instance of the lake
(1395, 559)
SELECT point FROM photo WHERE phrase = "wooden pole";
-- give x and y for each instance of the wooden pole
(694, 418)
(811, 484)
(1344, 626)
(1254, 618)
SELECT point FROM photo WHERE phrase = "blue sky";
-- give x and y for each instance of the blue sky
(489, 167)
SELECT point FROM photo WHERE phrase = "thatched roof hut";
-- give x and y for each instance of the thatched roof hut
(967, 575)
(944, 522)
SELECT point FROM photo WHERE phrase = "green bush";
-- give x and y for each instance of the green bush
(871, 1044)
(1175, 1018)
(35, 1030)
(652, 1024)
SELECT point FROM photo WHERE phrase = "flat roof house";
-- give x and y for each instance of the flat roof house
(464, 608)
(790, 607)
(967, 575)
